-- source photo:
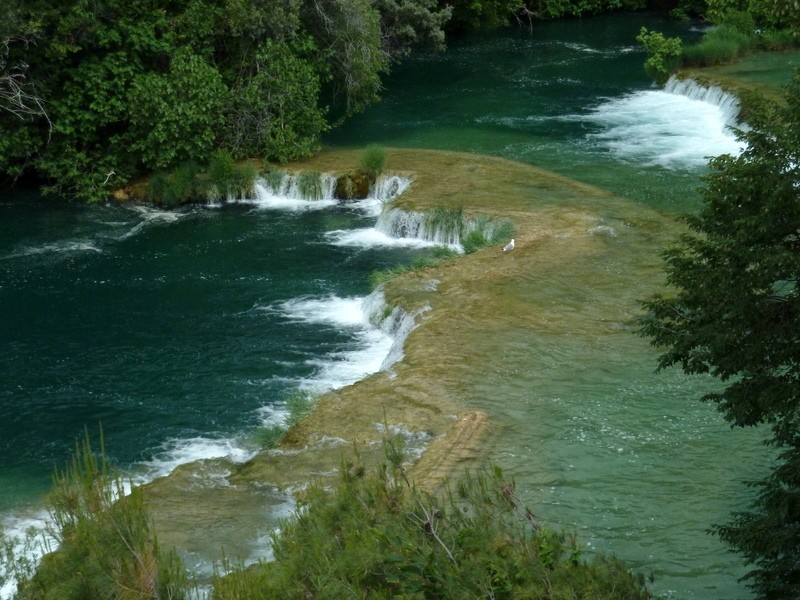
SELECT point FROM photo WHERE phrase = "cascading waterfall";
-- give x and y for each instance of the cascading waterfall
(678, 127)
(727, 103)
(306, 185)
(397, 324)
(387, 187)
(445, 227)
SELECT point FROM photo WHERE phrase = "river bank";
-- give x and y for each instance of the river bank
(471, 314)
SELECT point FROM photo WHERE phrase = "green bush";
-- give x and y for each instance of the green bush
(107, 548)
(220, 173)
(176, 187)
(373, 160)
(378, 536)
(781, 39)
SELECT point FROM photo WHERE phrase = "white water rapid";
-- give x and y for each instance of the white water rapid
(679, 127)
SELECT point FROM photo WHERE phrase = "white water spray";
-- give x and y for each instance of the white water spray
(679, 127)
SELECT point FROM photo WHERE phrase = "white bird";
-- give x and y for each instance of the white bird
(108, 176)
(509, 246)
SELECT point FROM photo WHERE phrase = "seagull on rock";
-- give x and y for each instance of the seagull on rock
(509, 246)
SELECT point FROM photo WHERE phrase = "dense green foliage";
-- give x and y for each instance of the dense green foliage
(95, 92)
(373, 536)
(107, 548)
(377, 536)
(737, 28)
(663, 54)
(735, 314)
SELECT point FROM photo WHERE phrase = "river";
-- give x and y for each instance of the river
(182, 332)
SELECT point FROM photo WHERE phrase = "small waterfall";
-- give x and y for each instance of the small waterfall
(388, 187)
(396, 323)
(448, 227)
(398, 223)
(727, 103)
(305, 185)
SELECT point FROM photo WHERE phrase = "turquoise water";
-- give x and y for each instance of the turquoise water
(183, 331)
(162, 327)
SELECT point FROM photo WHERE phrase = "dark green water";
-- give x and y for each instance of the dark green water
(179, 331)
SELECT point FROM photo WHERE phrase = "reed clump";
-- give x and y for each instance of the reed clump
(372, 161)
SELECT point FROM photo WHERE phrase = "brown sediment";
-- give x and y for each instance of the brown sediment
(460, 446)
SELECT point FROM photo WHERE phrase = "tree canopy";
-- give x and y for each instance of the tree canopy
(735, 314)
(94, 92)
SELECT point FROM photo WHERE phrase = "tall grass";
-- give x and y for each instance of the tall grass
(274, 177)
(372, 160)
(309, 185)
(485, 232)
(720, 45)
(434, 257)
(176, 187)
(222, 178)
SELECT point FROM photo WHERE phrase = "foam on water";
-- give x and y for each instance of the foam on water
(377, 341)
(28, 537)
(179, 451)
(681, 126)
(370, 237)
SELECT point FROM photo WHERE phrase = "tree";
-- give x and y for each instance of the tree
(376, 535)
(663, 54)
(735, 314)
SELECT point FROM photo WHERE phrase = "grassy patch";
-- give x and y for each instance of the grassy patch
(299, 405)
(436, 256)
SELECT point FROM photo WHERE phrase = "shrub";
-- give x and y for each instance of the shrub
(663, 54)
(107, 547)
(220, 173)
(780, 39)
(373, 160)
(378, 536)
(177, 187)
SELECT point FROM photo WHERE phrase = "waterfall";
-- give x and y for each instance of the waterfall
(444, 226)
(398, 223)
(727, 103)
(678, 127)
(305, 185)
(396, 323)
(388, 187)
